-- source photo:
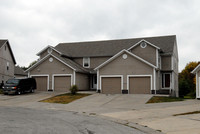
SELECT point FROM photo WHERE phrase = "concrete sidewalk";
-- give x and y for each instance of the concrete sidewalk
(161, 118)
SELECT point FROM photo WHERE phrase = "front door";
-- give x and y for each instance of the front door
(94, 81)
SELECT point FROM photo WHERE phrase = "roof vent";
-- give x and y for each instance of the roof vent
(143, 44)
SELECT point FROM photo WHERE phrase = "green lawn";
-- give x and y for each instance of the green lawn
(1, 92)
(65, 98)
(160, 99)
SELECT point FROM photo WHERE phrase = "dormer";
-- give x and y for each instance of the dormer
(147, 51)
(48, 50)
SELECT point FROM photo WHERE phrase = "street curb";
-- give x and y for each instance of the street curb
(137, 126)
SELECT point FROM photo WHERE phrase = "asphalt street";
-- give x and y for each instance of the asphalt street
(16, 120)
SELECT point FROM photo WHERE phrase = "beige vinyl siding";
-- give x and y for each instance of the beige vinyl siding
(45, 53)
(124, 67)
(94, 61)
(5, 56)
(166, 63)
(50, 68)
(82, 81)
(148, 53)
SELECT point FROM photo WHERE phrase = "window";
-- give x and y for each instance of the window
(166, 80)
(143, 44)
(86, 62)
(7, 65)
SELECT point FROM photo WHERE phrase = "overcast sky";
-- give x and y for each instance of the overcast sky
(31, 25)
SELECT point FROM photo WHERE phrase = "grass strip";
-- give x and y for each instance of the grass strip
(65, 98)
(161, 99)
(194, 112)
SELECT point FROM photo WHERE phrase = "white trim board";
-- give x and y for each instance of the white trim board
(98, 81)
(111, 76)
(74, 77)
(164, 81)
(88, 62)
(41, 60)
(197, 86)
(55, 75)
(154, 79)
(42, 75)
(47, 48)
(198, 90)
(148, 75)
(196, 69)
(157, 58)
(142, 41)
(118, 54)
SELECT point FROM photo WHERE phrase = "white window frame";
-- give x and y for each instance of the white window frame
(128, 76)
(54, 75)
(84, 59)
(163, 80)
(41, 75)
(111, 76)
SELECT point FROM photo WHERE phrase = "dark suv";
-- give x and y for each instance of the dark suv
(19, 85)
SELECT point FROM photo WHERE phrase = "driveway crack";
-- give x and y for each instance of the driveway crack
(110, 100)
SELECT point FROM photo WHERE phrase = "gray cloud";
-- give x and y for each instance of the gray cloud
(34, 24)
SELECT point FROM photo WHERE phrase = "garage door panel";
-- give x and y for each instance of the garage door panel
(111, 85)
(62, 83)
(41, 82)
(139, 85)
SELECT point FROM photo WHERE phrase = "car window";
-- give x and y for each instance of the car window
(12, 81)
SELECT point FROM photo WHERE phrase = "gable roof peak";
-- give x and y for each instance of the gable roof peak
(49, 46)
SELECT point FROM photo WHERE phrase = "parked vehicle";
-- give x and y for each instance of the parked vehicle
(19, 86)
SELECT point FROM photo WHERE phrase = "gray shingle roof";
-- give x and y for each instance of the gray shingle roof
(111, 47)
(19, 71)
(2, 42)
(75, 65)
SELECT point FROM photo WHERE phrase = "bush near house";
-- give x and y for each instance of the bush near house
(1, 91)
(73, 89)
(187, 81)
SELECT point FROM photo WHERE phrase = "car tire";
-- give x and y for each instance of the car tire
(18, 92)
(32, 90)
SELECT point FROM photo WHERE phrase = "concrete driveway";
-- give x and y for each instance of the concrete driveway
(96, 103)
(127, 109)
(25, 99)
(93, 105)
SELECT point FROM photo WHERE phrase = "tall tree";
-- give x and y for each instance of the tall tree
(187, 81)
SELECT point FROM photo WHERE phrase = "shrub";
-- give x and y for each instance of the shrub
(1, 91)
(73, 89)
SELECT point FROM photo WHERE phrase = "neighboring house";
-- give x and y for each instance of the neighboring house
(196, 71)
(19, 72)
(7, 61)
(135, 66)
